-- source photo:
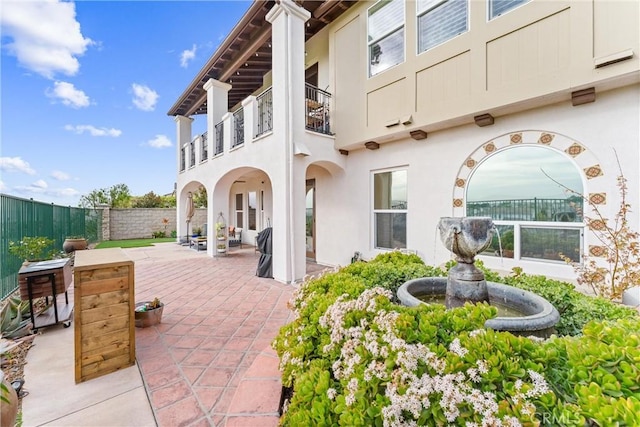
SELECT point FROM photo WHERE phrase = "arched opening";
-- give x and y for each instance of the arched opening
(534, 194)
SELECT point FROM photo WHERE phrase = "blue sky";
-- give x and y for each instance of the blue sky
(85, 89)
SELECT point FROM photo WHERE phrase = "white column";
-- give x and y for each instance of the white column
(250, 111)
(217, 106)
(288, 38)
(183, 136)
(227, 131)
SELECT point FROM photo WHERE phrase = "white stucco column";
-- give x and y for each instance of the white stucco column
(183, 136)
(288, 39)
(217, 106)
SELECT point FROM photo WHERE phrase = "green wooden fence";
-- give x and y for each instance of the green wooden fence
(22, 217)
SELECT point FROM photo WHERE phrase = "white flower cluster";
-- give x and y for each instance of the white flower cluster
(407, 392)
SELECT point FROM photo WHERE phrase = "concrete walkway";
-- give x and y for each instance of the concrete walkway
(208, 363)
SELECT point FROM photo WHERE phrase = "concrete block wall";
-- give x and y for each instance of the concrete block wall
(141, 223)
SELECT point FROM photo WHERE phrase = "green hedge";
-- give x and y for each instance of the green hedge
(355, 357)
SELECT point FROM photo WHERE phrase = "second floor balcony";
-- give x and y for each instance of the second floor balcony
(254, 120)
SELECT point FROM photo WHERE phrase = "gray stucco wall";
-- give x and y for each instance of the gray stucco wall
(143, 222)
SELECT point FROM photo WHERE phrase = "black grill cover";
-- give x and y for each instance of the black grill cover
(264, 242)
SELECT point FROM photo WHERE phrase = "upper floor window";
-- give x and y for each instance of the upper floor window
(498, 7)
(385, 35)
(534, 196)
(390, 209)
(440, 20)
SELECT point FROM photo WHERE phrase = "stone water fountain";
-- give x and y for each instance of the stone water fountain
(529, 314)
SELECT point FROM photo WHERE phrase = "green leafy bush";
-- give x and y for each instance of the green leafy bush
(354, 357)
(36, 248)
(576, 309)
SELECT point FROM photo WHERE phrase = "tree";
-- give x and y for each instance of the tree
(149, 200)
(200, 198)
(116, 196)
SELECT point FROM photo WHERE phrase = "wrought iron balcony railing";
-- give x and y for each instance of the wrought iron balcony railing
(238, 128)
(265, 112)
(219, 138)
(204, 147)
(317, 109)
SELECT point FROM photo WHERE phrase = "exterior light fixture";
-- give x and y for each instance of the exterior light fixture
(484, 120)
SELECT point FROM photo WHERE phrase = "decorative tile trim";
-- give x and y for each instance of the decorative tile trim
(458, 203)
(593, 171)
(597, 225)
(575, 149)
(490, 147)
(516, 138)
(470, 163)
(546, 138)
(460, 182)
(598, 198)
(597, 251)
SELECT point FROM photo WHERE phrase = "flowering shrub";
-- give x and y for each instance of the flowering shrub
(33, 248)
(354, 357)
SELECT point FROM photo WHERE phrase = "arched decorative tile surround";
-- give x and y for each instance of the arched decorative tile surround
(595, 184)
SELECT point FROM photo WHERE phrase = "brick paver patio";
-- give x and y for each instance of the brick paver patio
(209, 363)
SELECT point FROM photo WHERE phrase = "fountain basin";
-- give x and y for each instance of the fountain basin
(539, 316)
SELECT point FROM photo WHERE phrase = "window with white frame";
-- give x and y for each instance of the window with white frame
(498, 7)
(440, 20)
(534, 196)
(390, 209)
(252, 204)
(385, 35)
(239, 211)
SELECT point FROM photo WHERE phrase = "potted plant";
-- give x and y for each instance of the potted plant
(31, 249)
(148, 313)
(74, 243)
(8, 403)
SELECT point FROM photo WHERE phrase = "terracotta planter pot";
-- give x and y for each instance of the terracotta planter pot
(71, 245)
(144, 319)
(8, 411)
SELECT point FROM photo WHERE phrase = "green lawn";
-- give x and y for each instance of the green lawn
(132, 243)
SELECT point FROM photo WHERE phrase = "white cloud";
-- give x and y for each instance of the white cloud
(160, 141)
(45, 35)
(15, 164)
(144, 98)
(41, 188)
(42, 184)
(93, 131)
(60, 176)
(186, 56)
(3, 186)
(69, 95)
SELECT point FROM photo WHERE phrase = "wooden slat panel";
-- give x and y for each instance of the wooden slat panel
(89, 302)
(102, 286)
(102, 355)
(104, 326)
(104, 273)
(103, 313)
(113, 338)
(110, 365)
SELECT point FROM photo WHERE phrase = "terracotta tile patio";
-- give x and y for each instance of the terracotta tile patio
(209, 363)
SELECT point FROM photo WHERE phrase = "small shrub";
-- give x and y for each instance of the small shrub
(576, 309)
(354, 357)
(159, 234)
(33, 248)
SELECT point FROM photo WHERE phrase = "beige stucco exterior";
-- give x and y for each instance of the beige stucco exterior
(521, 68)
